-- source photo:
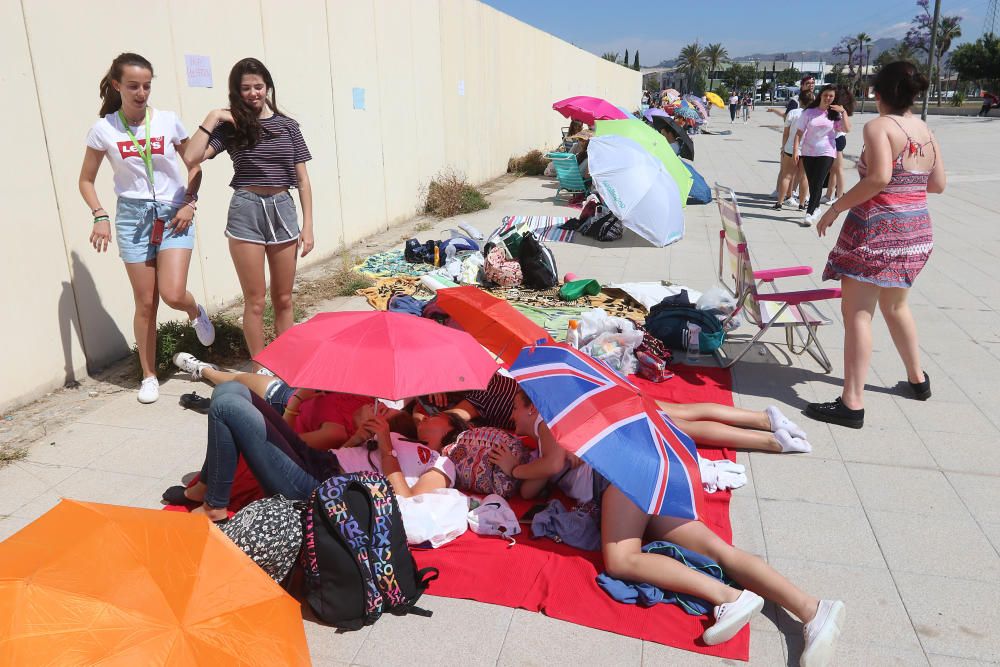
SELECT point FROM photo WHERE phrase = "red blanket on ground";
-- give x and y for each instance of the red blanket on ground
(542, 575)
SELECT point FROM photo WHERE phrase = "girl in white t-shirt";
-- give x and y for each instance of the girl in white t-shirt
(153, 201)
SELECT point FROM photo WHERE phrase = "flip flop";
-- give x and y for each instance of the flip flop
(195, 402)
(175, 496)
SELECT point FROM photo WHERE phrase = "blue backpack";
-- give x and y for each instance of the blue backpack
(356, 561)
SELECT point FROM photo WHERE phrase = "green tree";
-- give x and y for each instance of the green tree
(949, 30)
(715, 55)
(635, 63)
(838, 76)
(862, 39)
(610, 55)
(691, 60)
(625, 60)
(740, 77)
(979, 61)
(789, 76)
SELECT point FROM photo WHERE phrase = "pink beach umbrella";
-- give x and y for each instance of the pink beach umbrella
(589, 109)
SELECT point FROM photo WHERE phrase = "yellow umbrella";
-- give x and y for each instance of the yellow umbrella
(715, 99)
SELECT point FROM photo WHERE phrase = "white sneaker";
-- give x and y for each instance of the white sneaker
(824, 200)
(732, 616)
(191, 364)
(833, 201)
(821, 633)
(793, 201)
(810, 218)
(203, 327)
(149, 390)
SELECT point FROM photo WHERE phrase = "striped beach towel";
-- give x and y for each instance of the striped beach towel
(545, 227)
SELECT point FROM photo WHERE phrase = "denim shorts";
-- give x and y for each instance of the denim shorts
(134, 222)
(265, 220)
(278, 394)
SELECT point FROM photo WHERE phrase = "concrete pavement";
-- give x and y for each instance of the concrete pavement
(901, 520)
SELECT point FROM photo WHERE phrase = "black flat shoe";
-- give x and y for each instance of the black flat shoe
(175, 496)
(921, 390)
(195, 402)
(835, 412)
(776, 207)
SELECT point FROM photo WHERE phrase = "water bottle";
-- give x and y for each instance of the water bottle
(573, 333)
(693, 343)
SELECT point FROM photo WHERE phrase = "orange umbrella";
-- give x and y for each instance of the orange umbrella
(491, 321)
(88, 583)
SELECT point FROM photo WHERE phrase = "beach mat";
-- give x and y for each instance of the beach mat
(555, 579)
(545, 227)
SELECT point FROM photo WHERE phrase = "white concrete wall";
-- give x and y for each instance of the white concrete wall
(67, 308)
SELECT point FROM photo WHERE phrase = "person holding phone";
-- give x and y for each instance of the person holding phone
(269, 158)
(154, 216)
(816, 144)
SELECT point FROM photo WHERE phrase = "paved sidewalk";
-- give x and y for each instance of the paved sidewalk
(901, 520)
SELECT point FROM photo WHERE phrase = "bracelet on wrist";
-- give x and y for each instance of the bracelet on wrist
(94, 211)
(191, 204)
(101, 218)
(202, 128)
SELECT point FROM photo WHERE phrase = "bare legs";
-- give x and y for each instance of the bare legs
(623, 527)
(858, 307)
(165, 276)
(258, 384)
(248, 258)
(717, 425)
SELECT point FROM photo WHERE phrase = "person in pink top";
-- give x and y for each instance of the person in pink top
(816, 144)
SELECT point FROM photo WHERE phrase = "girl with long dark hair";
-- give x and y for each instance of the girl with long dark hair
(154, 217)
(886, 239)
(835, 182)
(816, 143)
(269, 158)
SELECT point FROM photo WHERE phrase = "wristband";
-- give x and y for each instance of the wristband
(101, 218)
(202, 128)
(95, 210)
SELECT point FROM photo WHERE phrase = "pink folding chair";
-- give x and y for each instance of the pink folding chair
(795, 312)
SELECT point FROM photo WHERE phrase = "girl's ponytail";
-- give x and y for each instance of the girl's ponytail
(111, 99)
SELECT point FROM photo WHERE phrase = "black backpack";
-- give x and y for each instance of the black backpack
(606, 228)
(538, 265)
(669, 324)
(356, 561)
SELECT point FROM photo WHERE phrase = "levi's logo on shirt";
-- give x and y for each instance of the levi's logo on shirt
(127, 148)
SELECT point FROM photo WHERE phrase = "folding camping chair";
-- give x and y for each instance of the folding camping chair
(793, 311)
(568, 173)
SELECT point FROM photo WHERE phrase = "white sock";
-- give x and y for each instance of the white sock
(780, 421)
(789, 443)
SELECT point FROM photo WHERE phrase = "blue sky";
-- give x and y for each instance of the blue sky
(659, 28)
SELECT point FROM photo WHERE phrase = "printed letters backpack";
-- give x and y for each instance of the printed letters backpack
(356, 561)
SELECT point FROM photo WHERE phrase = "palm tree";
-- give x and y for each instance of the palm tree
(610, 55)
(715, 55)
(862, 39)
(691, 60)
(948, 31)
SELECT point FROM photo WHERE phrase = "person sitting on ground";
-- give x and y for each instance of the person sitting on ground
(280, 460)
(625, 527)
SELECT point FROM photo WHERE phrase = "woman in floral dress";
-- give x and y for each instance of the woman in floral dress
(886, 239)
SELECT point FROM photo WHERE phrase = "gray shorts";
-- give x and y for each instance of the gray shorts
(265, 220)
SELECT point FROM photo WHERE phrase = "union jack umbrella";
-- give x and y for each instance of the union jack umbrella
(604, 419)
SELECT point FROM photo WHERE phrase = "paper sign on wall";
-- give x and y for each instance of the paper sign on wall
(358, 96)
(199, 71)
(461, 87)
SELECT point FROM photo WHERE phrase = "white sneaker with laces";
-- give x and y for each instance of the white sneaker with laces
(203, 327)
(732, 616)
(794, 201)
(824, 200)
(149, 390)
(191, 364)
(821, 633)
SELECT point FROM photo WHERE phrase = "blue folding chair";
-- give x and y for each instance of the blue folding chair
(568, 173)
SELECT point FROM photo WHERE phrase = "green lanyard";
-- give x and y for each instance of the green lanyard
(147, 154)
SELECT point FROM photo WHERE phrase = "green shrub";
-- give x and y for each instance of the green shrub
(532, 163)
(179, 336)
(958, 99)
(450, 194)
(722, 91)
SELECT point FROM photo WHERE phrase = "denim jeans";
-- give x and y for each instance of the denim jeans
(275, 455)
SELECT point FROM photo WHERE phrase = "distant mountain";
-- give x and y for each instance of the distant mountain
(878, 46)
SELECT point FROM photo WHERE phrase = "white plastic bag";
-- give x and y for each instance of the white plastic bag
(494, 517)
(596, 321)
(437, 517)
(617, 350)
(719, 299)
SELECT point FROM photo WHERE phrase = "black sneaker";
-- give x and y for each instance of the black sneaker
(835, 412)
(921, 390)
(777, 206)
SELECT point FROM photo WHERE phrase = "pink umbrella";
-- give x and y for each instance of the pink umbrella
(588, 109)
(696, 103)
(377, 353)
(672, 94)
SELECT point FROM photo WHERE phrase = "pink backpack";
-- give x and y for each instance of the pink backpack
(500, 269)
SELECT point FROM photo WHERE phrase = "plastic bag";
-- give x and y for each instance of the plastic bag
(494, 516)
(472, 269)
(718, 299)
(596, 321)
(617, 350)
(437, 517)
